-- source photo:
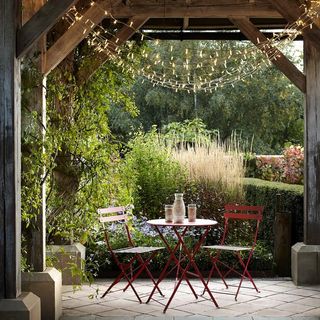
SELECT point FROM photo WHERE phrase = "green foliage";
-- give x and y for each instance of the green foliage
(270, 115)
(265, 193)
(188, 131)
(81, 158)
(153, 172)
(33, 159)
(155, 176)
(87, 174)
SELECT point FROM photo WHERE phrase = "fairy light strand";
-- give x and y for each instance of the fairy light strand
(191, 74)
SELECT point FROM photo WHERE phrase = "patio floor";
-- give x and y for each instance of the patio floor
(278, 299)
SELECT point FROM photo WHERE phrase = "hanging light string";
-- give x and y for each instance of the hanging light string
(204, 69)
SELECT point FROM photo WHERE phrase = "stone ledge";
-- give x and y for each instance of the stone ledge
(305, 264)
(25, 307)
(65, 256)
(48, 286)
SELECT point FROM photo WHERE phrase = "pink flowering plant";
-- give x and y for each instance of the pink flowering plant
(287, 168)
(293, 165)
(270, 167)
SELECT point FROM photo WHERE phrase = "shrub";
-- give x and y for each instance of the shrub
(286, 168)
(270, 168)
(293, 165)
(154, 173)
(260, 192)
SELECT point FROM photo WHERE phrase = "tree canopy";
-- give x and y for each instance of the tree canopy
(264, 107)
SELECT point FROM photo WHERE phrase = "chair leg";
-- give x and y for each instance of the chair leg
(214, 261)
(209, 278)
(117, 280)
(132, 287)
(144, 266)
(245, 273)
(221, 275)
(178, 267)
(153, 281)
(123, 274)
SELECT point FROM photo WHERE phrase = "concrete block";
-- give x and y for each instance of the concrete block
(48, 286)
(64, 258)
(305, 264)
(26, 307)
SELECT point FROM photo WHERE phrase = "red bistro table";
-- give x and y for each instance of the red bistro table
(180, 229)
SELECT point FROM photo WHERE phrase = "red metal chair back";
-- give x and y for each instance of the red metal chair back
(243, 213)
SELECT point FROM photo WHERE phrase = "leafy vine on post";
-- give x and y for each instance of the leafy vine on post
(82, 157)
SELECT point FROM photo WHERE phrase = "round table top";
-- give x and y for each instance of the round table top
(186, 223)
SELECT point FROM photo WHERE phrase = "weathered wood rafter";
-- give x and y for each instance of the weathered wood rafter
(204, 9)
(41, 23)
(275, 55)
(209, 24)
(291, 11)
(124, 34)
(73, 36)
(194, 35)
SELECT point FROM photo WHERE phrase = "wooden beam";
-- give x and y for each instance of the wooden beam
(263, 9)
(124, 34)
(315, 6)
(275, 56)
(198, 35)
(291, 11)
(41, 23)
(312, 145)
(73, 36)
(10, 156)
(185, 23)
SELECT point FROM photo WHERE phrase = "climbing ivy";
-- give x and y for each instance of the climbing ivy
(80, 155)
(86, 175)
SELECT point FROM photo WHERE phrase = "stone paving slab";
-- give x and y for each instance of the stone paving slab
(278, 299)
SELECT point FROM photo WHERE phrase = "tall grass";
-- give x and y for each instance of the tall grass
(216, 164)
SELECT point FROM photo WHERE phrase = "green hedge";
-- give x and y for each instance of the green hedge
(261, 192)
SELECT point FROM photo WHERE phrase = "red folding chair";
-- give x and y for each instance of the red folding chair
(131, 268)
(248, 218)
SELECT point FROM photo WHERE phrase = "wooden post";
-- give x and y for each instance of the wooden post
(10, 157)
(312, 145)
(37, 241)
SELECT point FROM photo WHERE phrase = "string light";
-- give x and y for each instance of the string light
(188, 73)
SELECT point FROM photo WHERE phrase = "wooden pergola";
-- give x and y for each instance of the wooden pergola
(180, 19)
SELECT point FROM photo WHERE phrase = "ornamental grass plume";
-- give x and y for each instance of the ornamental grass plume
(217, 164)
